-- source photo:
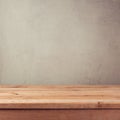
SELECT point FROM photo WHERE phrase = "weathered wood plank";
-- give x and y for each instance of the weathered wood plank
(59, 97)
(60, 114)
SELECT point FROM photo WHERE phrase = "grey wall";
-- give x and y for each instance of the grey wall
(60, 41)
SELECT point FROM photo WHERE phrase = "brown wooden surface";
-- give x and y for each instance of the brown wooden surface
(59, 115)
(59, 97)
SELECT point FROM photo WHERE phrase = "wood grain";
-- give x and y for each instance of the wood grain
(59, 114)
(59, 97)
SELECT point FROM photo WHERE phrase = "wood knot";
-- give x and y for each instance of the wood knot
(99, 104)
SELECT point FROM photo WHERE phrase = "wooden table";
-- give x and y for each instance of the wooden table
(59, 102)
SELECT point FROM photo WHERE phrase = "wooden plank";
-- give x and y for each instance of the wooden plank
(60, 114)
(60, 97)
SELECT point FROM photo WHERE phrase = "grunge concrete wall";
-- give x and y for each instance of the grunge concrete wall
(59, 41)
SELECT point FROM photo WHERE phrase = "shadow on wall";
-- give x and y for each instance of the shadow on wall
(0, 63)
(60, 41)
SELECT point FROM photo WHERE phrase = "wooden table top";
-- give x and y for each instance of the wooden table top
(59, 97)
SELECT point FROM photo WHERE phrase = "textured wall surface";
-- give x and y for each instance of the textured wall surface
(59, 41)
